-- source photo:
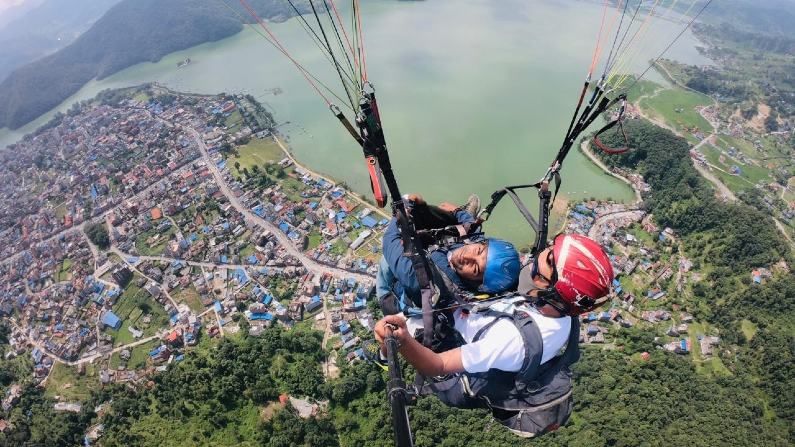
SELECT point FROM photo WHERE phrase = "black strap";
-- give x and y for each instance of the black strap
(570, 354)
(540, 226)
(488, 326)
(374, 145)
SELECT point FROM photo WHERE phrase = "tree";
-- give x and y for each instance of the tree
(98, 235)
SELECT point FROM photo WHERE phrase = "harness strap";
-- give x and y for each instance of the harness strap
(570, 354)
(488, 326)
(522, 208)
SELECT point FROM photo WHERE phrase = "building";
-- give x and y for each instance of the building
(122, 276)
(314, 304)
(110, 320)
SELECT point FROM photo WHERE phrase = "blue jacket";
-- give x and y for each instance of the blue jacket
(402, 268)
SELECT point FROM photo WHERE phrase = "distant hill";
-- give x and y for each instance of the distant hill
(14, 9)
(131, 32)
(44, 29)
(773, 17)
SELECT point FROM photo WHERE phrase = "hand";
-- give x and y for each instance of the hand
(449, 207)
(399, 330)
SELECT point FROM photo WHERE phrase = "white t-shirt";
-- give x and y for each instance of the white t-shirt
(501, 346)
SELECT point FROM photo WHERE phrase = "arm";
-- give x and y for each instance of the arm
(400, 265)
(425, 361)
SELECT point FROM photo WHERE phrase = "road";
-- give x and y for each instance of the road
(284, 241)
(207, 265)
(722, 188)
(593, 233)
(160, 286)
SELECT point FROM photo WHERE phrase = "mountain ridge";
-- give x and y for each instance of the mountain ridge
(131, 32)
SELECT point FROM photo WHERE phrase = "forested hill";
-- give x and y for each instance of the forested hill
(131, 32)
(46, 29)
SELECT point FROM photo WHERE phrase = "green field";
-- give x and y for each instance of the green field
(130, 308)
(65, 382)
(141, 96)
(234, 121)
(743, 146)
(247, 250)
(712, 366)
(749, 329)
(258, 152)
(734, 182)
(189, 296)
(752, 172)
(315, 238)
(676, 107)
(645, 238)
(339, 247)
(63, 273)
(642, 88)
(140, 354)
(293, 188)
(145, 249)
(60, 211)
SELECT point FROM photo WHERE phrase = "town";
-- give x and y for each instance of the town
(196, 241)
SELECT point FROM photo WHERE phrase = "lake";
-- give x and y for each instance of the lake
(474, 94)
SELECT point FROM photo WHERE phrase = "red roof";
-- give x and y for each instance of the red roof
(347, 207)
(172, 337)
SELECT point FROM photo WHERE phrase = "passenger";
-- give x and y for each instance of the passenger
(483, 265)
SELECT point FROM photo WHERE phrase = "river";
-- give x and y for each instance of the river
(474, 94)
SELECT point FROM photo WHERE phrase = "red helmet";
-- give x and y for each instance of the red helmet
(584, 273)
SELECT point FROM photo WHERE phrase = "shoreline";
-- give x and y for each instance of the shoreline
(356, 196)
(585, 148)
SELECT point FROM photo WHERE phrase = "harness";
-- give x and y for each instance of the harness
(534, 400)
(535, 384)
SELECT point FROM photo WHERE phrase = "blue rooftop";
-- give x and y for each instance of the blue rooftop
(369, 222)
(111, 320)
(267, 316)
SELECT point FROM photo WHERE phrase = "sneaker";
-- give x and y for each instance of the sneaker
(473, 205)
(372, 352)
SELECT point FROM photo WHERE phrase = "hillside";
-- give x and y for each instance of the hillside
(131, 32)
(46, 29)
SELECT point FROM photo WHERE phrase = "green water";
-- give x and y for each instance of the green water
(474, 94)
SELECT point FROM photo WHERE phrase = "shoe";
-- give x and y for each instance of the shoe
(372, 352)
(473, 205)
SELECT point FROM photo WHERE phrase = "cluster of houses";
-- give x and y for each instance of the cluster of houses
(186, 217)
(330, 301)
(54, 307)
(312, 208)
(635, 262)
(83, 165)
